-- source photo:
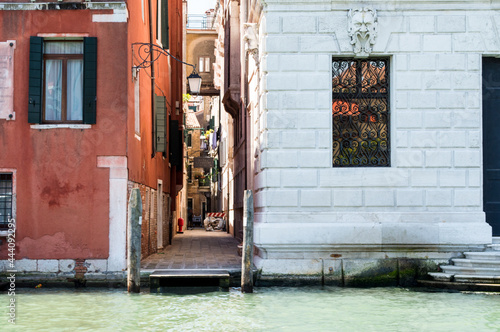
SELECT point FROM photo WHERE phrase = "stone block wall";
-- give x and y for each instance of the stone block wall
(429, 201)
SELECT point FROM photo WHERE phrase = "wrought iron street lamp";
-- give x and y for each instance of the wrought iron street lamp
(148, 53)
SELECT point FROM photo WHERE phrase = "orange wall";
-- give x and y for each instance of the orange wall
(62, 197)
(142, 167)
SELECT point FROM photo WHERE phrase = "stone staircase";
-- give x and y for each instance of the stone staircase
(476, 268)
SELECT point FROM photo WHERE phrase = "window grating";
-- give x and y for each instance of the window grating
(5, 199)
(360, 112)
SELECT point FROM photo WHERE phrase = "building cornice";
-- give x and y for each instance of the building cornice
(292, 5)
(111, 5)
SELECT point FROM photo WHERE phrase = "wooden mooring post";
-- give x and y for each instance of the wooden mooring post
(134, 242)
(247, 256)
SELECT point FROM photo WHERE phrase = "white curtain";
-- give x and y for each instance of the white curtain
(74, 88)
(75, 47)
(53, 89)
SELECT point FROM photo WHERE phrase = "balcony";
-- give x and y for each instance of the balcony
(201, 22)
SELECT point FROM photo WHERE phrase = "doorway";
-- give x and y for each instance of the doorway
(159, 216)
(491, 142)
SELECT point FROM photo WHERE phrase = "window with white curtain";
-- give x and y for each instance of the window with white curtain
(63, 81)
(204, 64)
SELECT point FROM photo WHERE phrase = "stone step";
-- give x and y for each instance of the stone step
(476, 262)
(496, 240)
(483, 255)
(439, 276)
(451, 269)
(477, 279)
(494, 247)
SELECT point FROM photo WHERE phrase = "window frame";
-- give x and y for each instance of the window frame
(36, 84)
(12, 173)
(353, 95)
(64, 77)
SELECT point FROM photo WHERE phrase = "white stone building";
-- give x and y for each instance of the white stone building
(365, 127)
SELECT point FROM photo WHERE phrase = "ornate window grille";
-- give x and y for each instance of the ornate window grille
(5, 199)
(360, 112)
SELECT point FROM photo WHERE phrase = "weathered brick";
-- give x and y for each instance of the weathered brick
(410, 159)
(281, 44)
(342, 197)
(438, 158)
(379, 197)
(452, 61)
(409, 197)
(422, 61)
(422, 23)
(282, 81)
(297, 62)
(424, 139)
(315, 158)
(452, 178)
(467, 197)
(299, 178)
(452, 139)
(439, 197)
(437, 119)
(299, 24)
(467, 158)
(320, 198)
(423, 178)
(318, 43)
(437, 43)
(454, 24)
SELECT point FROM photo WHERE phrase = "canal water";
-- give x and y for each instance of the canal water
(268, 309)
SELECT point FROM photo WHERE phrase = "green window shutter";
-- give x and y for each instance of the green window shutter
(164, 24)
(89, 79)
(35, 80)
(189, 141)
(160, 124)
(212, 123)
(175, 144)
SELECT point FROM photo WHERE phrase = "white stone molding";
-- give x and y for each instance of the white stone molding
(362, 28)
(118, 177)
(252, 40)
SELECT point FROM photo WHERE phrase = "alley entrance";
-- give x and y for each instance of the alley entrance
(197, 249)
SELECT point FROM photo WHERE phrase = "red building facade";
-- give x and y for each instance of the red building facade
(84, 127)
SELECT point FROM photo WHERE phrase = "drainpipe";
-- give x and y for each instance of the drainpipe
(151, 40)
(243, 82)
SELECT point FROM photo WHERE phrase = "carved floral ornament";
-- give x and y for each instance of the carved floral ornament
(362, 30)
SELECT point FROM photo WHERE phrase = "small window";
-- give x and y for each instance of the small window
(360, 112)
(63, 82)
(204, 64)
(190, 173)
(6, 200)
(162, 29)
(189, 140)
(207, 65)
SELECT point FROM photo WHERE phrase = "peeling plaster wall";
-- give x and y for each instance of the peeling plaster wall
(62, 196)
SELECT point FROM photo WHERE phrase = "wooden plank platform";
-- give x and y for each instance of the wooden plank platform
(179, 280)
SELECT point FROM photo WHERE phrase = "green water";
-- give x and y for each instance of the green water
(268, 309)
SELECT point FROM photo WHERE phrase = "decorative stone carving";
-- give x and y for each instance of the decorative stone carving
(362, 30)
(251, 40)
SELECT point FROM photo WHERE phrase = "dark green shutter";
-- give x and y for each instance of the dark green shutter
(175, 144)
(35, 80)
(212, 123)
(164, 23)
(189, 140)
(160, 124)
(89, 79)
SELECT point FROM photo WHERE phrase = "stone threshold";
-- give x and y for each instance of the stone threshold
(459, 286)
